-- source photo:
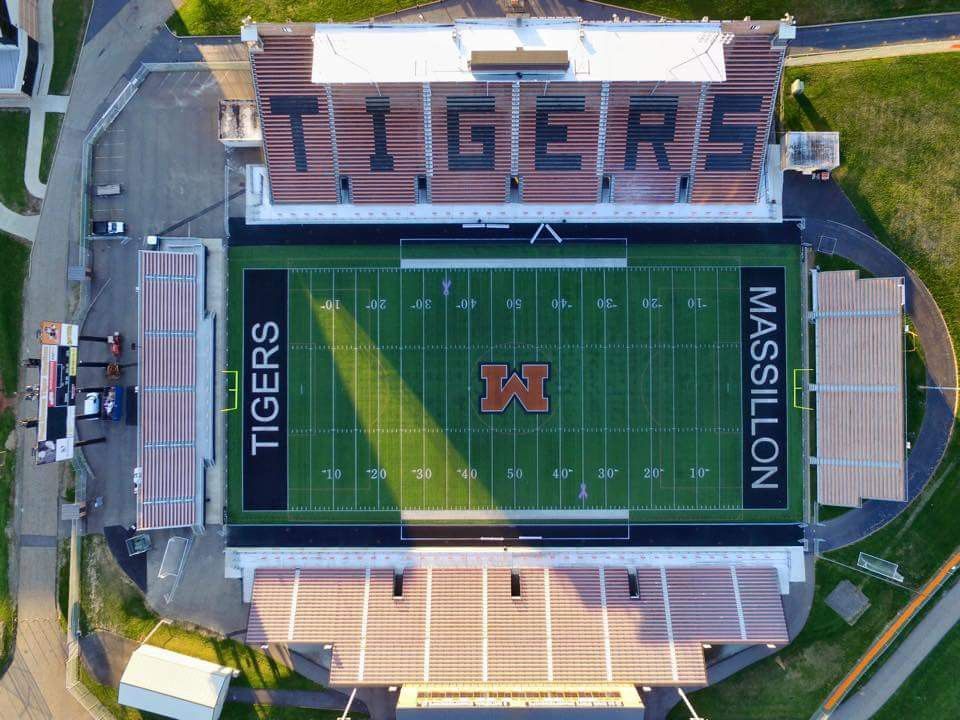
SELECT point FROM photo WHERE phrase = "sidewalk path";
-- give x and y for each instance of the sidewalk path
(24, 226)
(904, 660)
(829, 214)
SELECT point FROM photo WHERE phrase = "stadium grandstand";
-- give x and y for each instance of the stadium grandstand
(516, 119)
(175, 433)
(495, 472)
(525, 617)
(861, 442)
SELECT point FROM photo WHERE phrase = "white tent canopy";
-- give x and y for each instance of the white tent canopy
(174, 685)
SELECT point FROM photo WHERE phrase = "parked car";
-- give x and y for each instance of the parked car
(109, 227)
(106, 190)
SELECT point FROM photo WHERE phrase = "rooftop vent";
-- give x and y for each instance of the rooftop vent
(519, 60)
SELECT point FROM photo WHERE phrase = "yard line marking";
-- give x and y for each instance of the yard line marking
(379, 433)
(673, 385)
(560, 394)
(401, 468)
(605, 418)
(423, 384)
(719, 443)
(446, 394)
(696, 397)
(650, 371)
(333, 394)
(583, 437)
(629, 433)
(513, 291)
(536, 346)
(469, 410)
(356, 385)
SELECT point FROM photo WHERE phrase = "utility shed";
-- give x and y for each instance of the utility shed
(174, 685)
(808, 152)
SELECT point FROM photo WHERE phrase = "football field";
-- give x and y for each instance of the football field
(447, 384)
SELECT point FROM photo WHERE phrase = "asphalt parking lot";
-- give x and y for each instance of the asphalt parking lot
(164, 151)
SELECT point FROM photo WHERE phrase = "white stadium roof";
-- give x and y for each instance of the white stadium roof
(597, 51)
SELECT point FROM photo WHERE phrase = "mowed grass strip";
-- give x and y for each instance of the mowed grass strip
(223, 17)
(15, 256)
(69, 24)
(385, 385)
(14, 127)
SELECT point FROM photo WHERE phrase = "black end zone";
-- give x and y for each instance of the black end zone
(265, 390)
(764, 367)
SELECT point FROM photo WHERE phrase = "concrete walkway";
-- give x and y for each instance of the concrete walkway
(34, 685)
(904, 660)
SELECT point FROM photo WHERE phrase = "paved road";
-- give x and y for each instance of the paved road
(904, 660)
(844, 36)
(829, 214)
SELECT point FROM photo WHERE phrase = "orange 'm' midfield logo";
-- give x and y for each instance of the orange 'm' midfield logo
(500, 387)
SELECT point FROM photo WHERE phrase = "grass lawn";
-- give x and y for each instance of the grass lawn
(222, 17)
(898, 123)
(14, 128)
(8, 612)
(14, 256)
(51, 131)
(932, 690)
(69, 24)
(109, 601)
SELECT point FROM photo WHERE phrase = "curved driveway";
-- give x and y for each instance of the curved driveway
(828, 213)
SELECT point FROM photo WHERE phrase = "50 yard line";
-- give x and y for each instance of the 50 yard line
(513, 315)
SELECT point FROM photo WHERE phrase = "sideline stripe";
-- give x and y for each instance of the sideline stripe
(509, 263)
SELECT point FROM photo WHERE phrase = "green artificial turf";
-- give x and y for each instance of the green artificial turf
(384, 385)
